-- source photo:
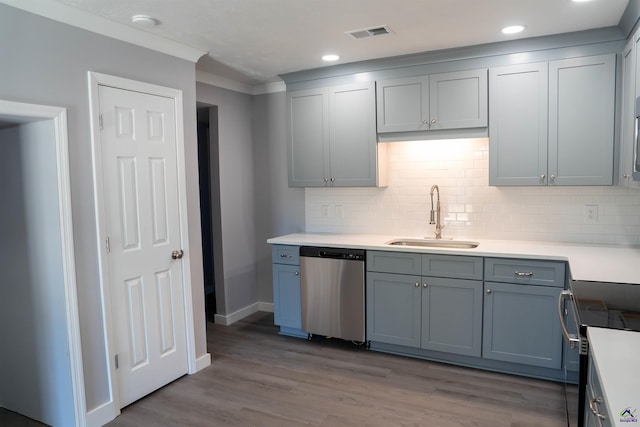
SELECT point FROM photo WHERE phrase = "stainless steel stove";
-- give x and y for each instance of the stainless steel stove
(603, 305)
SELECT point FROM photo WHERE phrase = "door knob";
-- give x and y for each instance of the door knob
(177, 254)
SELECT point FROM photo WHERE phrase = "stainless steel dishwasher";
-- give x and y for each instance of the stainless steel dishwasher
(332, 292)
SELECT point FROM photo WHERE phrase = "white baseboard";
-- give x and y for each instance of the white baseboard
(203, 361)
(242, 313)
(101, 415)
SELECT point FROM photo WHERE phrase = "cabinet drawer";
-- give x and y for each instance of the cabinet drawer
(284, 254)
(394, 262)
(458, 267)
(541, 273)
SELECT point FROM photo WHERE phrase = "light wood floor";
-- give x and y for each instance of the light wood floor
(259, 378)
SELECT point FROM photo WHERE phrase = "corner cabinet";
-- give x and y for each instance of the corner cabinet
(287, 308)
(455, 100)
(332, 137)
(553, 123)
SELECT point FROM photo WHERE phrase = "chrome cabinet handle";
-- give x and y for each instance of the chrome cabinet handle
(524, 273)
(425, 121)
(552, 178)
(433, 121)
(426, 285)
(488, 291)
(177, 254)
(542, 177)
(326, 180)
(285, 256)
(594, 409)
(573, 340)
(417, 285)
(332, 179)
(296, 273)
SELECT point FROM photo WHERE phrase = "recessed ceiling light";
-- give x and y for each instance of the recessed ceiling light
(144, 21)
(330, 58)
(513, 29)
(580, 1)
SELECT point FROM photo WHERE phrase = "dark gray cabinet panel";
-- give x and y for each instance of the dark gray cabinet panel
(394, 262)
(454, 266)
(284, 254)
(452, 315)
(521, 324)
(403, 104)
(393, 309)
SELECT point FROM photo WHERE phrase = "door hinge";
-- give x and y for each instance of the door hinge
(108, 245)
(117, 362)
(100, 121)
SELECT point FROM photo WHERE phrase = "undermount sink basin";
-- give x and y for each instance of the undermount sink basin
(432, 243)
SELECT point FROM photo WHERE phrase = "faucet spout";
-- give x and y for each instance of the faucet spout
(435, 214)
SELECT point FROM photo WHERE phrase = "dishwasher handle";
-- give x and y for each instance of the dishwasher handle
(572, 339)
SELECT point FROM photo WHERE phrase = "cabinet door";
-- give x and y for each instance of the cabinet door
(353, 143)
(286, 296)
(452, 315)
(403, 104)
(518, 124)
(393, 309)
(581, 120)
(521, 324)
(308, 137)
(628, 129)
(458, 100)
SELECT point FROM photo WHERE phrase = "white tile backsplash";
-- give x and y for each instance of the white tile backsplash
(470, 207)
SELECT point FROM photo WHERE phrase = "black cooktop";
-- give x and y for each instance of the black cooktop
(607, 305)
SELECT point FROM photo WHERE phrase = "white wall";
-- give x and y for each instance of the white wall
(472, 209)
(35, 368)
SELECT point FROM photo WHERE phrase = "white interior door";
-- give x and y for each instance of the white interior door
(138, 145)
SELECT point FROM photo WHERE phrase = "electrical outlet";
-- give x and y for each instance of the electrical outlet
(590, 214)
(339, 211)
(325, 211)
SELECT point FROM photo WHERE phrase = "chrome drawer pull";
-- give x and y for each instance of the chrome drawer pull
(285, 256)
(524, 273)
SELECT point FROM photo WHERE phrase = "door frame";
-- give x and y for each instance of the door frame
(109, 410)
(58, 116)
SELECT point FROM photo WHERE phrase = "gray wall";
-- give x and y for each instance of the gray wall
(45, 62)
(255, 202)
(279, 209)
(35, 369)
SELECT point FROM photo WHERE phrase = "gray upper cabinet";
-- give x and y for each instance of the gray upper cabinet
(332, 138)
(453, 100)
(518, 124)
(581, 120)
(552, 123)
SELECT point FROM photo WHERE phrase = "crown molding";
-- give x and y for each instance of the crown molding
(96, 24)
(236, 86)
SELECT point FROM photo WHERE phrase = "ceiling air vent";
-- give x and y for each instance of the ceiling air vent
(369, 32)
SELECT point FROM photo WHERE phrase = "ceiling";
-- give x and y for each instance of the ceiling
(254, 41)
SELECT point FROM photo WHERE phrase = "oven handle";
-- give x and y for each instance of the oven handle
(573, 340)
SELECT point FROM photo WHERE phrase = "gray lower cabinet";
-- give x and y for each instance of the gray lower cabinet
(434, 312)
(595, 410)
(454, 100)
(521, 323)
(553, 123)
(287, 308)
(331, 136)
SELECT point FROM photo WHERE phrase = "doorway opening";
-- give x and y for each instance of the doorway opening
(40, 362)
(209, 176)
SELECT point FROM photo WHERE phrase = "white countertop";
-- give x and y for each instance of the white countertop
(600, 263)
(616, 356)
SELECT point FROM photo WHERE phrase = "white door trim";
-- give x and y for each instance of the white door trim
(58, 116)
(112, 409)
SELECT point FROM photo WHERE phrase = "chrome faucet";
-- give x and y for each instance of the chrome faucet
(435, 214)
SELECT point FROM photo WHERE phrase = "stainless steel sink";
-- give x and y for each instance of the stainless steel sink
(433, 243)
